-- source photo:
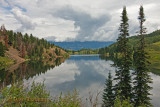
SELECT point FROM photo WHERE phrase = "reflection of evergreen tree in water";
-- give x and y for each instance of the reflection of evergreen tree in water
(5, 77)
(1, 50)
(58, 61)
(2, 75)
(25, 71)
(114, 59)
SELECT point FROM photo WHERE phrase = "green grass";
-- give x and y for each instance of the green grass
(154, 53)
(153, 49)
(5, 62)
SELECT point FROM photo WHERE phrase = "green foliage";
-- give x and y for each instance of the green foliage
(26, 57)
(66, 56)
(83, 51)
(152, 41)
(87, 51)
(5, 62)
(123, 77)
(108, 96)
(124, 103)
(142, 77)
(58, 52)
(123, 29)
(19, 95)
(50, 59)
(29, 44)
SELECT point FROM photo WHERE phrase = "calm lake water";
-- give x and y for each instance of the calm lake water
(86, 73)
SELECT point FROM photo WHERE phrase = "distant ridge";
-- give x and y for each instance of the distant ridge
(77, 45)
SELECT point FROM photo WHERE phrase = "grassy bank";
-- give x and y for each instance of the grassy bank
(154, 53)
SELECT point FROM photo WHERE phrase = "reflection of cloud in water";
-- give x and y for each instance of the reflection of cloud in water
(64, 72)
(60, 74)
(86, 76)
(155, 91)
(81, 74)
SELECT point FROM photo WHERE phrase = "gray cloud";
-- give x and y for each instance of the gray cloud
(133, 27)
(83, 21)
(51, 38)
(25, 21)
(76, 20)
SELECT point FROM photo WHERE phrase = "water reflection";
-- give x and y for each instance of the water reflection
(25, 71)
(85, 73)
(155, 91)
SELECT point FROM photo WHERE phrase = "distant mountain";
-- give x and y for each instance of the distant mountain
(77, 45)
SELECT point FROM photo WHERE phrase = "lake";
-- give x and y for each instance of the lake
(86, 73)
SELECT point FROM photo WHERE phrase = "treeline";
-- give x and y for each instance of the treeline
(131, 89)
(83, 51)
(152, 42)
(30, 47)
(149, 39)
(102, 51)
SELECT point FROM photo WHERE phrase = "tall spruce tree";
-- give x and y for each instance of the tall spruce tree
(108, 95)
(142, 78)
(123, 77)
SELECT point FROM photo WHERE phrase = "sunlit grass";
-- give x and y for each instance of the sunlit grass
(154, 53)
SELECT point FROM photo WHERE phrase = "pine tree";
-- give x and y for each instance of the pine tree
(6, 41)
(108, 96)
(1, 49)
(57, 52)
(142, 78)
(123, 77)
(23, 51)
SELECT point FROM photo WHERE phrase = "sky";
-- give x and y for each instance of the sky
(76, 20)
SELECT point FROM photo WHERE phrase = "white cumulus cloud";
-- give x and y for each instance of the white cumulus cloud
(66, 20)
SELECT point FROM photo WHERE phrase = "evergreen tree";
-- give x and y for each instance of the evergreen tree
(6, 41)
(57, 52)
(1, 49)
(142, 78)
(123, 77)
(108, 96)
(10, 37)
(23, 51)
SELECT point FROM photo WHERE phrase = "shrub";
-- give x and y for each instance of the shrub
(17, 95)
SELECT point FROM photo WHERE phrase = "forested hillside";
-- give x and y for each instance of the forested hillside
(19, 47)
(77, 45)
(152, 47)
